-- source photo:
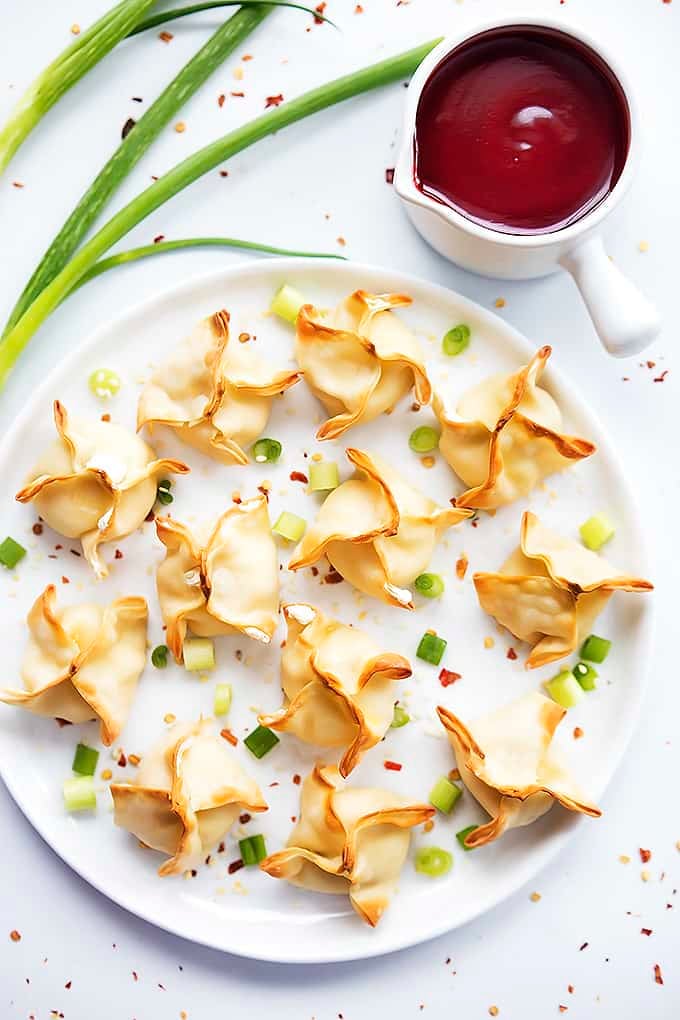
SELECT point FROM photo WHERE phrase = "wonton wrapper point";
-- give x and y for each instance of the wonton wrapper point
(83, 662)
(223, 583)
(506, 762)
(96, 482)
(359, 359)
(348, 840)
(215, 394)
(377, 531)
(337, 683)
(187, 793)
(505, 437)
(550, 591)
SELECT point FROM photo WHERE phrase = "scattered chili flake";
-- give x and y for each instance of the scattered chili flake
(511, 654)
(570, 989)
(180, 126)
(535, 897)
(235, 866)
(15, 936)
(392, 766)
(358, 9)
(273, 101)
(448, 677)
(237, 95)
(122, 760)
(333, 577)
(65, 580)
(645, 931)
(499, 302)
(662, 377)
(228, 735)
(137, 99)
(651, 364)
(244, 818)
(315, 571)
(224, 173)
(584, 946)
(494, 1010)
(118, 555)
(657, 974)
(158, 238)
(220, 848)
(427, 462)
(127, 127)
(389, 175)
(247, 56)
(298, 476)
(236, 497)
(297, 778)
(320, 8)
(220, 99)
(563, 1009)
(74, 552)
(135, 975)
(578, 732)
(18, 184)
(106, 417)
(243, 338)
(67, 986)
(341, 241)
(645, 855)
(265, 492)
(275, 783)
(239, 655)
(462, 564)
(166, 37)
(37, 529)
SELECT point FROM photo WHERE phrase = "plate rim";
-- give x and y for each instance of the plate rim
(402, 280)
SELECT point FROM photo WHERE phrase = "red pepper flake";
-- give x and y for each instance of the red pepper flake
(74, 552)
(118, 555)
(235, 866)
(135, 975)
(578, 733)
(273, 101)
(106, 417)
(37, 529)
(570, 989)
(228, 735)
(562, 1009)
(15, 936)
(651, 364)
(220, 99)
(645, 931)
(661, 378)
(511, 654)
(341, 241)
(315, 571)
(275, 783)
(158, 238)
(462, 564)
(320, 8)
(166, 37)
(645, 855)
(220, 848)
(122, 761)
(18, 184)
(224, 173)
(358, 9)
(389, 175)
(237, 95)
(127, 127)
(299, 476)
(247, 56)
(265, 492)
(448, 677)
(657, 974)
(58, 546)
(584, 946)
(137, 99)
(392, 766)
(67, 986)
(297, 779)
(65, 580)
(333, 577)
(244, 818)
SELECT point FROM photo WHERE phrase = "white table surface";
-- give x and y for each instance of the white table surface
(321, 180)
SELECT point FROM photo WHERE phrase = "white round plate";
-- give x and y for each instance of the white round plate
(250, 913)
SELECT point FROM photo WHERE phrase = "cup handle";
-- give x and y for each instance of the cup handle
(625, 321)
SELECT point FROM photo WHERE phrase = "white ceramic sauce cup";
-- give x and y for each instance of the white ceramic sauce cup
(624, 319)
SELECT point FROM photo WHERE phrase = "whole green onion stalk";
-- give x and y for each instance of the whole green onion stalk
(224, 41)
(195, 166)
(68, 68)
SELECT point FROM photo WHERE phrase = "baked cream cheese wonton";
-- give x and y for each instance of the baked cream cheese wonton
(359, 359)
(187, 793)
(377, 531)
(215, 391)
(506, 762)
(338, 684)
(96, 482)
(550, 591)
(506, 437)
(348, 840)
(221, 577)
(83, 662)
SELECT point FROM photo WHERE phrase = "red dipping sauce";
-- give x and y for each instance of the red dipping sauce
(522, 129)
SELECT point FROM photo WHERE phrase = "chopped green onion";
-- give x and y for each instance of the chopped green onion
(198, 654)
(565, 689)
(423, 439)
(85, 760)
(596, 531)
(266, 451)
(444, 794)
(79, 794)
(430, 585)
(433, 861)
(252, 850)
(261, 741)
(62, 268)
(585, 675)
(159, 656)
(10, 553)
(163, 494)
(222, 702)
(456, 340)
(399, 718)
(463, 835)
(287, 302)
(104, 382)
(431, 648)
(289, 526)
(324, 476)
(595, 649)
